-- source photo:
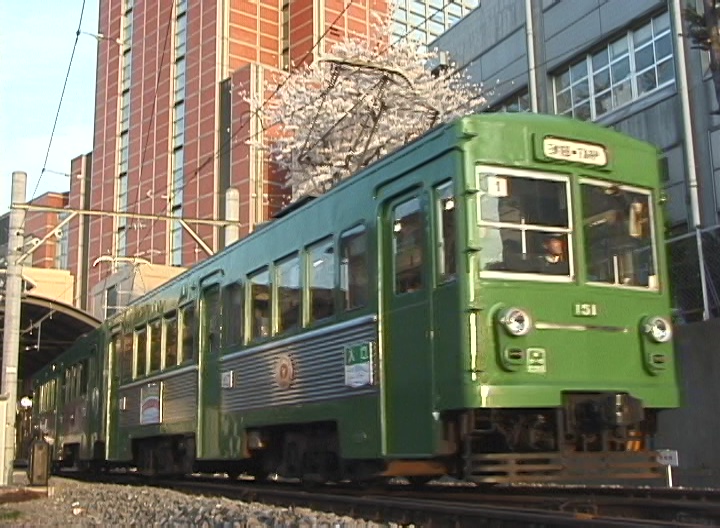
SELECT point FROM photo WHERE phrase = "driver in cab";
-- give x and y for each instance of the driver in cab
(554, 260)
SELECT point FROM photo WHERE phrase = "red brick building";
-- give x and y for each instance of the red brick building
(171, 127)
(51, 254)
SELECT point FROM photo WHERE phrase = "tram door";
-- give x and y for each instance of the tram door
(209, 383)
(407, 354)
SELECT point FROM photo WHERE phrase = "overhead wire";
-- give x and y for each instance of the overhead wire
(228, 142)
(62, 96)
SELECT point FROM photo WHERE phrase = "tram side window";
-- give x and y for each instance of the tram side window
(408, 241)
(289, 293)
(141, 351)
(187, 322)
(260, 303)
(321, 280)
(354, 268)
(91, 378)
(171, 339)
(212, 319)
(126, 358)
(155, 329)
(83, 375)
(446, 258)
(233, 314)
(67, 385)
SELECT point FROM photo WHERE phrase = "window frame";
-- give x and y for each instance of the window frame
(229, 315)
(275, 285)
(182, 354)
(343, 307)
(632, 77)
(249, 302)
(568, 231)
(167, 319)
(423, 245)
(155, 325)
(328, 240)
(137, 331)
(646, 191)
(441, 274)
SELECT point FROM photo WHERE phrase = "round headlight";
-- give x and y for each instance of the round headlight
(658, 329)
(517, 322)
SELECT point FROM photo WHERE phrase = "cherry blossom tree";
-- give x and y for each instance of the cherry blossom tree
(357, 103)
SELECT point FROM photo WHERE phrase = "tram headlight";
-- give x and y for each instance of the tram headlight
(517, 322)
(658, 329)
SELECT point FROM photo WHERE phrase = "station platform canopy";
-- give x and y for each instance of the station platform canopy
(48, 324)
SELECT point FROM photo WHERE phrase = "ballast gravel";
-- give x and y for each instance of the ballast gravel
(71, 503)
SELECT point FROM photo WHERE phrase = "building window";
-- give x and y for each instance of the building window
(127, 30)
(175, 240)
(638, 63)
(175, 199)
(125, 111)
(179, 80)
(285, 37)
(425, 20)
(518, 102)
(126, 70)
(177, 183)
(62, 249)
(180, 36)
(179, 125)
(181, 7)
(111, 301)
(124, 144)
(121, 205)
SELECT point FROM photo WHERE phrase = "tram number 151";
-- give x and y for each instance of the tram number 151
(585, 310)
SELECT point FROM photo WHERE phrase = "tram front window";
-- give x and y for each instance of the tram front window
(525, 225)
(619, 245)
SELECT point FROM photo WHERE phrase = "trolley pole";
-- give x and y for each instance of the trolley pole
(11, 328)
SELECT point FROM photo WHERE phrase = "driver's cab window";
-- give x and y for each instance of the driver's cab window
(619, 238)
(525, 223)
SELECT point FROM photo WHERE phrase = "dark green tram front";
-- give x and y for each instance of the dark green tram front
(566, 347)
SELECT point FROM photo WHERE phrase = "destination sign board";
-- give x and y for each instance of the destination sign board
(562, 149)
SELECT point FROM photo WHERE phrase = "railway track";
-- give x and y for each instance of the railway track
(460, 506)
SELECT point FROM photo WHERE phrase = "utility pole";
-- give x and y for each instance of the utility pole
(535, 41)
(681, 69)
(11, 328)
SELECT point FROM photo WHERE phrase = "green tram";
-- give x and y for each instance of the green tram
(489, 302)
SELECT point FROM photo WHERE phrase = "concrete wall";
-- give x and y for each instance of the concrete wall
(693, 429)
